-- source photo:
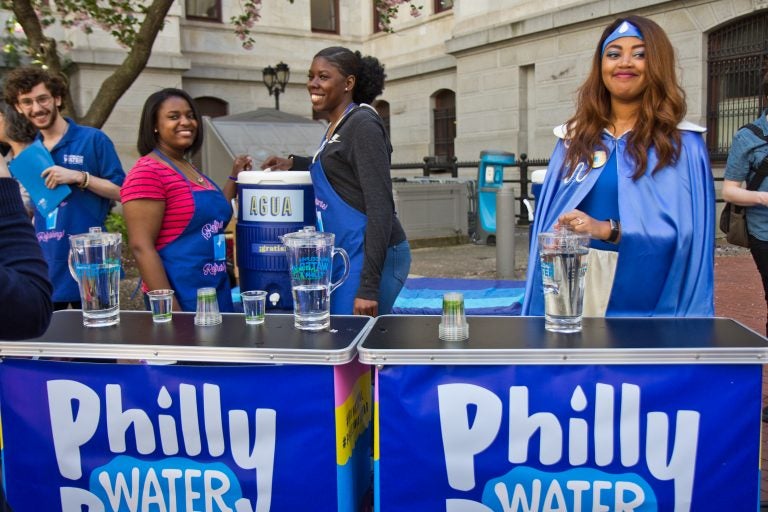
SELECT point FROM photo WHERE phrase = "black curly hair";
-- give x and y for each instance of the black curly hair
(368, 71)
(17, 128)
(148, 137)
(22, 80)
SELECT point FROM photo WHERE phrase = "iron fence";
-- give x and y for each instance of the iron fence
(434, 165)
(737, 60)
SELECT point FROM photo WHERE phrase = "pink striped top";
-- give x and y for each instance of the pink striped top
(150, 179)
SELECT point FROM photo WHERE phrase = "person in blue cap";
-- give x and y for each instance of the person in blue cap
(629, 171)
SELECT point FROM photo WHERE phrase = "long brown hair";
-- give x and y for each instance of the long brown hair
(662, 105)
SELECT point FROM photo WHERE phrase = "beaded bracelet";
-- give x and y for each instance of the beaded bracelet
(86, 178)
(233, 178)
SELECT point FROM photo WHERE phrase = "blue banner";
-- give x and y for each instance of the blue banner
(568, 438)
(133, 437)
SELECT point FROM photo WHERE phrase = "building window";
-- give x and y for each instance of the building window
(737, 61)
(208, 107)
(325, 16)
(209, 10)
(444, 122)
(382, 107)
(443, 5)
(376, 20)
(212, 107)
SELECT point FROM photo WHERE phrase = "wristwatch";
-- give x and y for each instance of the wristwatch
(615, 231)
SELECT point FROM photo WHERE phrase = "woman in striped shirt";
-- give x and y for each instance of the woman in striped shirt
(176, 215)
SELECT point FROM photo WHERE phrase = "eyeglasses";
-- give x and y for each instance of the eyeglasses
(43, 100)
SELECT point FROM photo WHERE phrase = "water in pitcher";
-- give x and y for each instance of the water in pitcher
(99, 292)
(563, 279)
(311, 306)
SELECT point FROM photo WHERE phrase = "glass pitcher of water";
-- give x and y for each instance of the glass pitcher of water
(310, 262)
(94, 262)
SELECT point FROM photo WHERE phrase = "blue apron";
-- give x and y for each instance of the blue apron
(197, 258)
(335, 216)
(72, 217)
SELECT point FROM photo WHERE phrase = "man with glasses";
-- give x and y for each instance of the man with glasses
(84, 158)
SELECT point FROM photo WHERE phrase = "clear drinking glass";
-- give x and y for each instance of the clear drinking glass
(453, 325)
(161, 304)
(254, 306)
(207, 307)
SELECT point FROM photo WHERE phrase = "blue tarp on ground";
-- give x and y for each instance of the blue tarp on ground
(424, 296)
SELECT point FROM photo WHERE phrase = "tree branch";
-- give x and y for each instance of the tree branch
(121, 79)
(120, 19)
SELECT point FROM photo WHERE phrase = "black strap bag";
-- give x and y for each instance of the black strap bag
(733, 219)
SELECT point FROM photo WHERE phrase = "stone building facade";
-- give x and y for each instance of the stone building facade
(465, 76)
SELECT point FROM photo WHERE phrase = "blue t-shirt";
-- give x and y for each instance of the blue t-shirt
(82, 148)
(602, 201)
(747, 152)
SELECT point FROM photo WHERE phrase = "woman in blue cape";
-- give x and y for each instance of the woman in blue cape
(628, 171)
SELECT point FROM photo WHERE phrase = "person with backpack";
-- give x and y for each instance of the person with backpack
(748, 163)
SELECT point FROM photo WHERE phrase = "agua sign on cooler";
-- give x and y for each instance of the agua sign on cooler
(271, 204)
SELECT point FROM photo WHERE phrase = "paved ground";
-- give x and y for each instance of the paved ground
(466, 261)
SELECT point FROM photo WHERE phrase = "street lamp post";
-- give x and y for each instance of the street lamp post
(276, 78)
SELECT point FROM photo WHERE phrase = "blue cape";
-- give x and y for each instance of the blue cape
(666, 253)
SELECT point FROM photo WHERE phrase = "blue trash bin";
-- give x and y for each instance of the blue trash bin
(271, 204)
(490, 179)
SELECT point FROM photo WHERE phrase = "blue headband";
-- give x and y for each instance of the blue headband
(626, 29)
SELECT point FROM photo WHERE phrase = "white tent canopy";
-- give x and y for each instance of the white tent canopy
(259, 133)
